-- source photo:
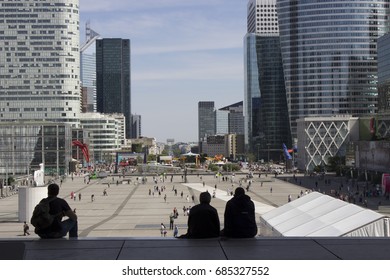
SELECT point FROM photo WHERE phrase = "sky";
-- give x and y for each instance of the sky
(182, 52)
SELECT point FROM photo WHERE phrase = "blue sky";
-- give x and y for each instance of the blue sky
(182, 52)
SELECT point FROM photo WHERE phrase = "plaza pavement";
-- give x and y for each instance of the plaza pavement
(129, 211)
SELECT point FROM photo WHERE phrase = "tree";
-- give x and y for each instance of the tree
(151, 158)
(136, 148)
(336, 164)
(251, 157)
(140, 160)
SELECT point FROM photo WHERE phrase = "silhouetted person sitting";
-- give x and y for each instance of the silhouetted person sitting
(239, 217)
(203, 220)
(59, 208)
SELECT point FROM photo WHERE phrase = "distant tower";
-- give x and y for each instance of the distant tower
(265, 103)
(170, 143)
(113, 78)
(206, 119)
(136, 126)
(88, 70)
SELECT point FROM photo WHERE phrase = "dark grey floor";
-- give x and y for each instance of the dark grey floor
(205, 249)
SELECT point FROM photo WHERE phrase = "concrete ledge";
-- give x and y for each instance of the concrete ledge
(201, 249)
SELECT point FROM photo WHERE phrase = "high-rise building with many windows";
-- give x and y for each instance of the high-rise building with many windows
(262, 17)
(88, 70)
(206, 119)
(113, 78)
(384, 74)
(40, 61)
(266, 115)
(329, 51)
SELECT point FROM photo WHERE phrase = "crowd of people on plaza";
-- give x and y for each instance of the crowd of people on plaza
(201, 217)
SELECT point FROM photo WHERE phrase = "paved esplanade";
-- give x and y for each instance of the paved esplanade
(128, 210)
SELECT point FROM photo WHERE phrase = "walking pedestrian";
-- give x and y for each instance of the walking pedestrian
(171, 220)
(175, 232)
(163, 230)
(26, 229)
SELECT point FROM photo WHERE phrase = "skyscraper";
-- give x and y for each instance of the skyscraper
(384, 74)
(113, 78)
(330, 56)
(206, 119)
(88, 70)
(40, 61)
(262, 17)
(136, 126)
(235, 118)
(266, 114)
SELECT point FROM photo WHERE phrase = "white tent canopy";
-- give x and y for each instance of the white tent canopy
(319, 215)
(189, 154)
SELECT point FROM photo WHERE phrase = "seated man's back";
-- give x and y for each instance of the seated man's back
(239, 218)
(58, 209)
(203, 220)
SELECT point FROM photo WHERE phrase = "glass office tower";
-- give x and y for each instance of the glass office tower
(40, 61)
(330, 56)
(384, 74)
(265, 105)
(206, 119)
(113, 78)
(88, 70)
(266, 119)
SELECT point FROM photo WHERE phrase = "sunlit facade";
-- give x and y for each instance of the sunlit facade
(40, 61)
(329, 51)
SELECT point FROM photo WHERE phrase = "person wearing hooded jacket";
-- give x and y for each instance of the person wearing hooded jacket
(239, 217)
(203, 219)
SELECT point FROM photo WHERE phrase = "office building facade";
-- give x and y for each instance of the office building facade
(136, 126)
(88, 70)
(330, 56)
(206, 119)
(384, 74)
(106, 135)
(113, 78)
(221, 122)
(40, 61)
(27, 144)
(265, 104)
(235, 118)
(262, 17)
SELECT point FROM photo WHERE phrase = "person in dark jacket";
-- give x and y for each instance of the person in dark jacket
(59, 208)
(239, 217)
(203, 220)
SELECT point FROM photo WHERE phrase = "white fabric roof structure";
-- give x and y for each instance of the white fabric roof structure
(319, 215)
(166, 158)
(190, 154)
